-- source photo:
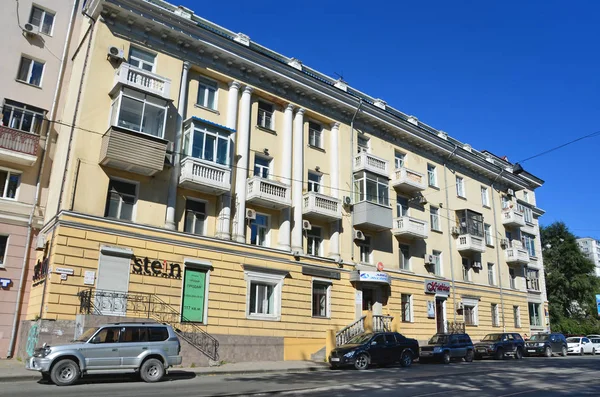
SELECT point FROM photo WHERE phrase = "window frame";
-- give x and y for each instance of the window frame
(4, 255)
(4, 189)
(405, 262)
(261, 167)
(485, 196)
(141, 61)
(512, 278)
(30, 70)
(487, 233)
(528, 215)
(216, 134)
(535, 315)
(434, 213)
(469, 303)
(361, 178)
(363, 148)
(118, 102)
(432, 174)
(186, 210)
(466, 269)
(311, 236)
(533, 283)
(205, 84)
(495, 315)
(271, 127)
(267, 242)
(399, 160)
(45, 12)
(401, 209)
(529, 244)
(135, 201)
(437, 266)
(314, 186)
(37, 116)
(366, 243)
(491, 273)
(460, 187)
(403, 303)
(315, 133)
(329, 285)
(274, 280)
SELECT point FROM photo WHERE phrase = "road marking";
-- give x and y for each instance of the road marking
(520, 392)
(431, 394)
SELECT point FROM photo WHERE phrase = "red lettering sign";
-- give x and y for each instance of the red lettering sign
(433, 287)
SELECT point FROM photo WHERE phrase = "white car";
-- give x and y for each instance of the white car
(592, 336)
(595, 343)
(580, 345)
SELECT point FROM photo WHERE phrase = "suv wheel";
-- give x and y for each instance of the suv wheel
(469, 356)
(564, 352)
(548, 352)
(406, 358)
(499, 354)
(152, 370)
(362, 362)
(446, 358)
(519, 353)
(64, 373)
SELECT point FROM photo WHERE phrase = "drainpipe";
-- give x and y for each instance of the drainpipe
(498, 251)
(13, 334)
(352, 176)
(449, 229)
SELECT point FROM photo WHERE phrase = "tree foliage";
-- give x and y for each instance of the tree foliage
(571, 283)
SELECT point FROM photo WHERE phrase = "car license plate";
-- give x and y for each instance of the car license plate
(426, 353)
(481, 349)
(335, 359)
(531, 350)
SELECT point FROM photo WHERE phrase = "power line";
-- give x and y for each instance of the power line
(593, 134)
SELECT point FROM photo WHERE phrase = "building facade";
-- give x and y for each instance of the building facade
(254, 197)
(34, 38)
(591, 248)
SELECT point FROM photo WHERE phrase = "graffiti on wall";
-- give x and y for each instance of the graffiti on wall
(32, 338)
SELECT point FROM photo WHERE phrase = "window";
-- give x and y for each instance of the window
(315, 133)
(399, 159)
(470, 313)
(31, 71)
(466, 268)
(488, 234)
(141, 113)
(42, 19)
(207, 144)
(157, 334)
(314, 241)
(261, 166)
(320, 298)
(134, 334)
(434, 217)
(314, 181)
(432, 175)
(22, 117)
(107, 335)
(460, 187)
(505, 202)
(401, 206)
(407, 315)
(485, 199)
(526, 196)
(207, 93)
(265, 115)
(142, 59)
(529, 243)
(495, 315)
(491, 274)
(528, 214)
(3, 248)
(121, 200)
(517, 316)
(371, 188)
(534, 315)
(259, 230)
(437, 262)
(404, 257)
(533, 279)
(470, 222)
(362, 144)
(365, 249)
(9, 184)
(512, 278)
(263, 299)
(195, 217)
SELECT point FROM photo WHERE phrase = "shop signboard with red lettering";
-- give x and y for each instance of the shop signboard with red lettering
(437, 287)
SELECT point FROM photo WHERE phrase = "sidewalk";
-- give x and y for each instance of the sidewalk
(13, 370)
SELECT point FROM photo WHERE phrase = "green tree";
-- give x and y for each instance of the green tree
(571, 283)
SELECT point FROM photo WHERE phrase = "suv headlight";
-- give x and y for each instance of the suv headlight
(350, 354)
(42, 352)
(540, 345)
(437, 349)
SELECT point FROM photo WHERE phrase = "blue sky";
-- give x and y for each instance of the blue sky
(512, 77)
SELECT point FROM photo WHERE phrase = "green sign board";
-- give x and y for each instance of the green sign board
(194, 283)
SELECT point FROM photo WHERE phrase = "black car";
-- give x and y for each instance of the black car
(380, 348)
(544, 344)
(445, 347)
(500, 345)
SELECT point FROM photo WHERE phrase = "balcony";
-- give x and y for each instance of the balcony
(408, 227)
(407, 180)
(516, 254)
(470, 243)
(367, 162)
(268, 193)
(18, 147)
(132, 151)
(321, 206)
(204, 176)
(372, 216)
(143, 80)
(513, 217)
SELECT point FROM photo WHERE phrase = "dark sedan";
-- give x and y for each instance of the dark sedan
(380, 348)
(546, 344)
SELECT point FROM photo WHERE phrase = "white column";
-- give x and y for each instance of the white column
(334, 237)
(298, 177)
(243, 145)
(174, 181)
(286, 175)
(224, 220)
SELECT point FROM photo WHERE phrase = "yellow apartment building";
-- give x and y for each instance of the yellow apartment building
(210, 182)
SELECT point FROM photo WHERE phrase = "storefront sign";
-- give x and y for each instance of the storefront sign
(89, 277)
(319, 272)
(155, 268)
(437, 287)
(375, 277)
(430, 309)
(194, 284)
(64, 270)
(5, 282)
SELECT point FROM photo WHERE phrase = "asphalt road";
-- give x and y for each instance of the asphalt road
(558, 376)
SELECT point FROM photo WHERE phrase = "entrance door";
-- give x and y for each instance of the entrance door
(113, 282)
(368, 296)
(194, 290)
(440, 315)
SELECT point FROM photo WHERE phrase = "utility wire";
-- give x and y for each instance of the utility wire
(592, 135)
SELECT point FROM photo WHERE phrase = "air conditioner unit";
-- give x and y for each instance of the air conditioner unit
(347, 200)
(31, 29)
(115, 53)
(250, 214)
(306, 225)
(40, 242)
(429, 260)
(504, 243)
(477, 265)
(358, 235)
(510, 192)
(455, 230)
(422, 200)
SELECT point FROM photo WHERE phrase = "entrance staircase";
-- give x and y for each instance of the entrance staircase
(141, 305)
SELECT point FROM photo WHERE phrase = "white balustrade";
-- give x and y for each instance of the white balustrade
(268, 193)
(204, 176)
(408, 180)
(143, 80)
(406, 226)
(321, 205)
(368, 162)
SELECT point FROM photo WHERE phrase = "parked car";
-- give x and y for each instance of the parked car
(445, 347)
(380, 348)
(500, 345)
(580, 345)
(592, 336)
(149, 349)
(595, 343)
(544, 344)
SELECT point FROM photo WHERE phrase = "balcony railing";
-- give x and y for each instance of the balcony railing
(406, 226)
(469, 242)
(268, 193)
(20, 146)
(513, 217)
(322, 206)
(364, 161)
(204, 176)
(143, 80)
(408, 180)
(515, 253)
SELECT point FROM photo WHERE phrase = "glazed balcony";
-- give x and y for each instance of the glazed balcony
(204, 176)
(513, 217)
(18, 147)
(364, 161)
(143, 80)
(409, 227)
(321, 206)
(268, 193)
(372, 216)
(407, 180)
(470, 243)
(516, 254)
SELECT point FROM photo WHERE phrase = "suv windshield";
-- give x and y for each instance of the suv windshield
(539, 337)
(87, 334)
(438, 339)
(359, 339)
(492, 337)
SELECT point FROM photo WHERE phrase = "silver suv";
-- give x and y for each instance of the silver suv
(148, 349)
